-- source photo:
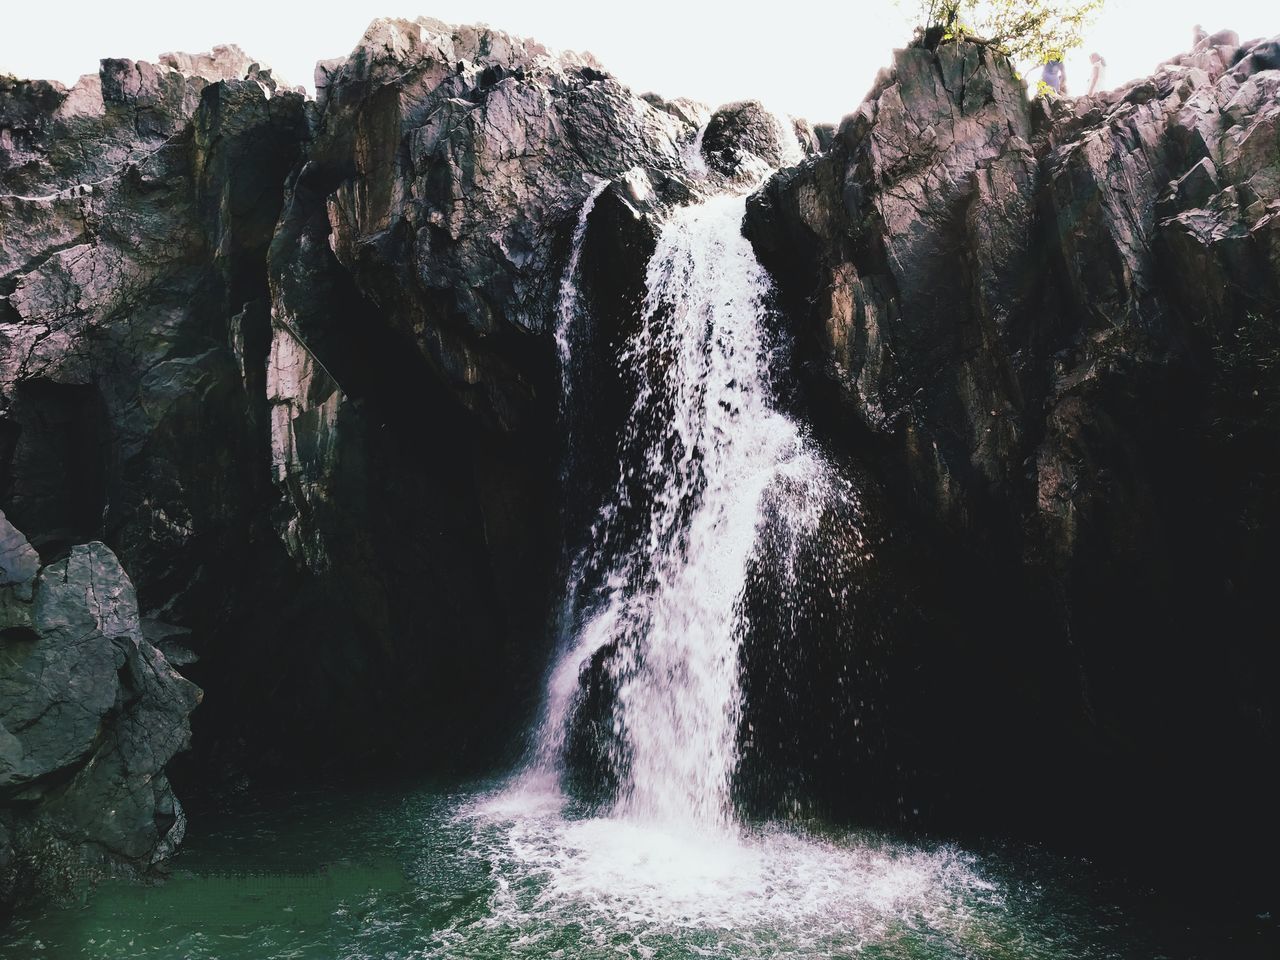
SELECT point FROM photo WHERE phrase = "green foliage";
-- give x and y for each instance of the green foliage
(1030, 31)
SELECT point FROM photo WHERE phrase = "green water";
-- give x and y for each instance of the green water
(485, 872)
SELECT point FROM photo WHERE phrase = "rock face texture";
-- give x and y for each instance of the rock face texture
(445, 174)
(446, 167)
(412, 379)
(293, 362)
(742, 135)
(1050, 329)
(124, 244)
(90, 713)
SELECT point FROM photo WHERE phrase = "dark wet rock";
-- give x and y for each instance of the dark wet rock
(825, 135)
(1040, 323)
(294, 364)
(1258, 58)
(90, 713)
(621, 235)
(414, 278)
(1195, 187)
(133, 217)
(596, 760)
(449, 188)
(744, 139)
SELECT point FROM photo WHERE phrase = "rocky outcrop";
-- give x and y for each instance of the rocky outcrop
(224, 62)
(293, 362)
(447, 166)
(131, 218)
(414, 279)
(744, 139)
(90, 713)
(1050, 327)
(446, 171)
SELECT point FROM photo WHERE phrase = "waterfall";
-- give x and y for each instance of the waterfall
(721, 540)
(707, 459)
(563, 681)
(568, 301)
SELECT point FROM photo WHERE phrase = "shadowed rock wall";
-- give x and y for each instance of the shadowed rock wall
(292, 362)
(1050, 330)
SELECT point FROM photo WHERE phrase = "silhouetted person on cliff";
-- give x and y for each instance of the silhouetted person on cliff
(1099, 72)
(1054, 76)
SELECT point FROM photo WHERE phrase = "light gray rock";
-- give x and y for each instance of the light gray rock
(18, 561)
(90, 713)
(223, 62)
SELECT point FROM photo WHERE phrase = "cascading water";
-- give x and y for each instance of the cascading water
(703, 448)
(713, 481)
(725, 539)
(707, 443)
(567, 304)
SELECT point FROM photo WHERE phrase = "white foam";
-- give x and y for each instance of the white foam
(567, 302)
(713, 451)
(719, 463)
(647, 877)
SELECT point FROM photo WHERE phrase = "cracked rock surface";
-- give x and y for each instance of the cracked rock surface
(291, 361)
(1050, 328)
(90, 714)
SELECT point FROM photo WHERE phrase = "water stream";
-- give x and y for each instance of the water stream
(475, 871)
(705, 444)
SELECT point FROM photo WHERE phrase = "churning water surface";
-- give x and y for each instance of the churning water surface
(493, 870)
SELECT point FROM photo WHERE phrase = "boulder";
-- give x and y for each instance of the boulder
(90, 715)
(745, 138)
(1261, 57)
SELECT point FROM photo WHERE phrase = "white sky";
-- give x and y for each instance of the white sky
(809, 58)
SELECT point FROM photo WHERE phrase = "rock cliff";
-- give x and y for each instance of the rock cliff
(1050, 330)
(90, 714)
(293, 362)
